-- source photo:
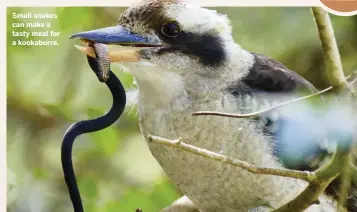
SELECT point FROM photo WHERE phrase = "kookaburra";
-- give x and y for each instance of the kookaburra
(184, 59)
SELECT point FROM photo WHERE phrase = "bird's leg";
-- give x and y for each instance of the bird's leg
(182, 204)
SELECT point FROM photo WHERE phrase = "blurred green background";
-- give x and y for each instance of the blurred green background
(50, 87)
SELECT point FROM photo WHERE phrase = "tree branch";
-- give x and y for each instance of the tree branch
(324, 176)
(341, 159)
(334, 69)
(179, 144)
(318, 180)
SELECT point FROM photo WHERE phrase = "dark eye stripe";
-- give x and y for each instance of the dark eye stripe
(207, 48)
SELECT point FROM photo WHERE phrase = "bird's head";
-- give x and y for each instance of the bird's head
(174, 47)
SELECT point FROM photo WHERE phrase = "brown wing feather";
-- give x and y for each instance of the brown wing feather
(268, 75)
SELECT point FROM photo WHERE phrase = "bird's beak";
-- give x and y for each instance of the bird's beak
(123, 45)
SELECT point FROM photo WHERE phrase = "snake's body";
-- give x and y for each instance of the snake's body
(101, 67)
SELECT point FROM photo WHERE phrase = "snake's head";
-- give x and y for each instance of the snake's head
(123, 45)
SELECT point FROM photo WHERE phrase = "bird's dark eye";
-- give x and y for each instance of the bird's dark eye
(171, 29)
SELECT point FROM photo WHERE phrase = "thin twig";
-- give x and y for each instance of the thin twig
(179, 144)
(261, 112)
(353, 81)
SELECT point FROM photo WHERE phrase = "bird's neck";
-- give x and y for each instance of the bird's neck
(156, 87)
